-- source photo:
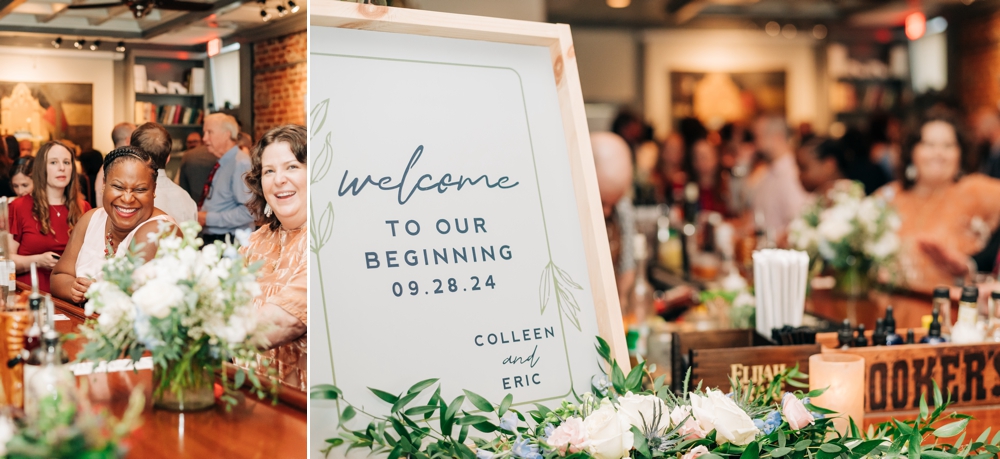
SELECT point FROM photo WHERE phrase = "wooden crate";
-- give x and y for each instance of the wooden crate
(715, 356)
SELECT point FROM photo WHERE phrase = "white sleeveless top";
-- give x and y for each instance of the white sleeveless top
(90, 259)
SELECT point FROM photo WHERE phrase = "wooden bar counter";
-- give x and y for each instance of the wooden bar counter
(253, 429)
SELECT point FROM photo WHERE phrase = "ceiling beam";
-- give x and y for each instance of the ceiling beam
(112, 13)
(689, 11)
(7, 6)
(186, 19)
(84, 33)
(57, 9)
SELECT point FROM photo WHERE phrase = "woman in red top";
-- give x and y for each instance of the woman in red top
(40, 223)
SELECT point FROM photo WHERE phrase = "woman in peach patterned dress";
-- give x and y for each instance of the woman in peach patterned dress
(940, 207)
(278, 180)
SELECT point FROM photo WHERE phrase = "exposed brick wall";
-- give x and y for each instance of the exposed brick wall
(279, 82)
(979, 61)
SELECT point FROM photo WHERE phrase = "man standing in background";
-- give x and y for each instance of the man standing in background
(222, 205)
(196, 164)
(170, 198)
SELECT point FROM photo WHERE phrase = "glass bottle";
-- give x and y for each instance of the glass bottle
(966, 329)
(861, 340)
(669, 250)
(942, 303)
(878, 336)
(641, 301)
(845, 337)
(934, 329)
(33, 335)
(50, 395)
(993, 320)
(891, 337)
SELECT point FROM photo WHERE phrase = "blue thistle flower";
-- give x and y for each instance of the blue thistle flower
(524, 449)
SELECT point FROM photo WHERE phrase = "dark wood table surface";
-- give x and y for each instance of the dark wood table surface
(252, 429)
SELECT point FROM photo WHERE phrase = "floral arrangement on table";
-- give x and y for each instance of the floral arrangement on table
(848, 232)
(634, 416)
(190, 307)
(64, 429)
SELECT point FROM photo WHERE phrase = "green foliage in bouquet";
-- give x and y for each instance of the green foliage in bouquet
(190, 306)
(64, 430)
(634, 415)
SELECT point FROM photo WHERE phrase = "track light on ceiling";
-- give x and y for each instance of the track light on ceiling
(57, 42)
(79, 44)
(96, 44)
(293, 7)
(265, 16)
(281, 10)
(120, 47)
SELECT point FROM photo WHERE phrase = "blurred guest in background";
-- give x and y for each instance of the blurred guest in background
(776, 194)
(858, 165)
(614, 178)
(27, 147)
(986, 137)
(884, 132)
(821, 164)
(705, 170)
(940, 205)
(12, 146)
(41, 222)
(278, 182)
(671, 169)
(91, 162)
(196, 164)
(20, 176)
(120, 136)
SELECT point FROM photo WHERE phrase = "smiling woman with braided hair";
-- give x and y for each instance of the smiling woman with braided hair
(127, 216)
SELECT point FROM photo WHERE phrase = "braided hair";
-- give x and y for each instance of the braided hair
(132, 153)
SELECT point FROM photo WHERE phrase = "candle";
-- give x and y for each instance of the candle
(843, 376)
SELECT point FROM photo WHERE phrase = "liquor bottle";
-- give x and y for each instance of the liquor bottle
(934, 330)
(861, 340)
(993, 319)
(33, 336)
(845, 336)
(669, 251)
(51, 392)
(967, 329)
(878, 336)
(942, 302)
(688, 241)
(909, 336)
(641, 302)
(891, 338)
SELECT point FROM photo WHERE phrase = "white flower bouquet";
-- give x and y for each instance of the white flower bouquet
(191, 307)
(848, 232)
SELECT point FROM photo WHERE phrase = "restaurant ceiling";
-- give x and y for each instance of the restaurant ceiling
(694, 13)
(221, 19)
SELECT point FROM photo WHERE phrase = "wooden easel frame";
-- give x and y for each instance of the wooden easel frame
(558, 39)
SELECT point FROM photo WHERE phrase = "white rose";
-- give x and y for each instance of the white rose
(642, 411)
(868, 214)
(157, 297)
(608, 433)
(731, 424)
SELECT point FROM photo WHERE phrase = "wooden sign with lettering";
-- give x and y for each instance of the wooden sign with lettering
(758, 365)
(897, 377)
(456, 225)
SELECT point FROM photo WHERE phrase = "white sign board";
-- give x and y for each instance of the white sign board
(446, 222)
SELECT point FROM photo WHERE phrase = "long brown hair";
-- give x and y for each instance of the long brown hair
(292, 134)
(40, 195)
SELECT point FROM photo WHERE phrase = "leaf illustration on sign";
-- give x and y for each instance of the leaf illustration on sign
(555, 281)
(321, 228)
(317, 116)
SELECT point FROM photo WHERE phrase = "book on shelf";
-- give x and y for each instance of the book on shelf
(146, 112)
(196, 81)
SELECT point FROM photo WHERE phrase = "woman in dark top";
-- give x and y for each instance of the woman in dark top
(20, 176)
(40, 223)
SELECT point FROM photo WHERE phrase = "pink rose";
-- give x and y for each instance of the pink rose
(695, 452)
(795, 412)
(690, 429)
(571, 434)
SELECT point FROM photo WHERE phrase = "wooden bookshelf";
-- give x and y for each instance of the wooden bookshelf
(180, 114)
